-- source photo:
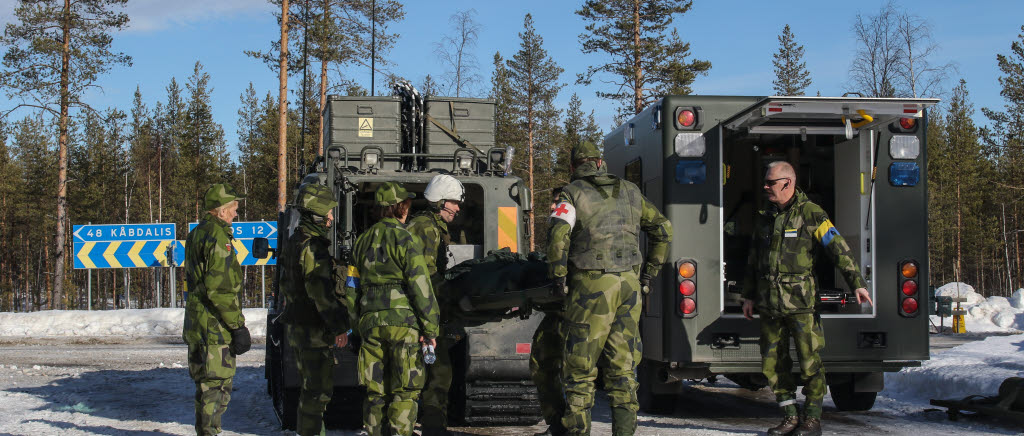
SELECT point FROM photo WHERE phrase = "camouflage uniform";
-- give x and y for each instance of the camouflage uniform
(594, 242)
(546, 369)
(212, 311)
(432, 231)
(390, 285)
(313, 314)
(780, 280)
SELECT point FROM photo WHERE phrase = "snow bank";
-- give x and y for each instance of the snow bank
(992, 314)
(973, 368)
(127, 322)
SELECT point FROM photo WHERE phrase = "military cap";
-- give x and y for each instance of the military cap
(585, 150)
(391, 193)
(218, 195)
(317, 199)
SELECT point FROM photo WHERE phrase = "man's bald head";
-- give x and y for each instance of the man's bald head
(781, 168)
(780, 182)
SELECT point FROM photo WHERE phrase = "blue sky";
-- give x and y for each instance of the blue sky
(166, 38)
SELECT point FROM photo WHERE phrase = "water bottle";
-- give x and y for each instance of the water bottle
(428, 355)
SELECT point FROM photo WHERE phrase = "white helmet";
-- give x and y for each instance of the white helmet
(444, 187)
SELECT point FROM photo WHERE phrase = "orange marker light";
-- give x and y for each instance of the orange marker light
(687, 270)
(909, 270)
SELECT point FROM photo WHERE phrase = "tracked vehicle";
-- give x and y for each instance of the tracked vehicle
(701, 160)
(408, 139)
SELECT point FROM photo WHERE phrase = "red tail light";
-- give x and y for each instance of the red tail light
(688, 306)
(909, 306)
(909, 288)
(908, 123)
(687, 288)
(687, 117)
(686, 277)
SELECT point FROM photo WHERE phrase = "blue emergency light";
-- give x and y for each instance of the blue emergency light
(691, 172)
(904, 174)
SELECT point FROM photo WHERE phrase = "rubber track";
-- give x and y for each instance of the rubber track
(502, 403)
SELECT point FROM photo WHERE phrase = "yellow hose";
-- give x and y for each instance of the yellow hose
(861, 123)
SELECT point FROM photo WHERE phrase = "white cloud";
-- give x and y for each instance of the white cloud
(154, 15)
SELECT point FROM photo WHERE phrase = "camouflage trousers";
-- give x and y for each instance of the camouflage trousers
(777, 363)
(439, 382)
(546, 368)
(315, 361)
(211, 367)
(600, 321)
(391, 369)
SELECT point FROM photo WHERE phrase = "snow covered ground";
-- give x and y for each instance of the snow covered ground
(992, 314)
(109, 323)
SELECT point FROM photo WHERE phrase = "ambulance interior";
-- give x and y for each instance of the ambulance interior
(746, 157)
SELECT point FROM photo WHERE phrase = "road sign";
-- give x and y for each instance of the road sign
(123, 232)
(244, 233)
(121, 245)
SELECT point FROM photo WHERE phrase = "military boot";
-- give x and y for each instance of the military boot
(788, 424)
(810, 427)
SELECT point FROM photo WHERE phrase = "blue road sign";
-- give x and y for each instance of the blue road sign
(121, 254)
(123, 232)
(245, 232)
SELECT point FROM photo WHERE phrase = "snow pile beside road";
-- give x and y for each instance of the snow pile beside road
(994, 314)
(973, 368)
(127, 322)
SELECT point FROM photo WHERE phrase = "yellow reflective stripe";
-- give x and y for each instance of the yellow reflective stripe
(83, 254)
(108, 254)
(161, 252)
(822, 230)
(508, 235)
(133, 254)
(240, 251)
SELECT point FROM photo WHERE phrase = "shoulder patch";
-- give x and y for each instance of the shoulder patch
(565, 211)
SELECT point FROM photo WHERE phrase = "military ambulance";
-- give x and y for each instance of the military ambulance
(702, 159)
(408, 139)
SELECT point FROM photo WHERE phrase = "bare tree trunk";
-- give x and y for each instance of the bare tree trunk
(638, 72)
(62, 154)
(323, 87)
(529, 172)
(160, 178)
(282, 124)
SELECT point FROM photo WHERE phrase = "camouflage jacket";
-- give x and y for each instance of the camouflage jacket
(780, 270)
(433, 233)
(214, 280)
(307, 280)
(570, 231)
(389, 281)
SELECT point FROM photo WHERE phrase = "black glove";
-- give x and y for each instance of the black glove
(558, 287)
(645, 283)
(240, 340)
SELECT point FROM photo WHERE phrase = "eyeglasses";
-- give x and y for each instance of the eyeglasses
(771, 182)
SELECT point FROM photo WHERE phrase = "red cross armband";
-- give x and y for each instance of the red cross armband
(565, 212)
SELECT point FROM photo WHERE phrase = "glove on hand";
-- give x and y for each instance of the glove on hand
(645, 283)
(558, 287)
(240, 340)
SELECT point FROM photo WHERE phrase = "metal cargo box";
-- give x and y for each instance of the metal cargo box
(359, 122)
(471, 119)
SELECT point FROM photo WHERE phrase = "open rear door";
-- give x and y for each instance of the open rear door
(825, 115)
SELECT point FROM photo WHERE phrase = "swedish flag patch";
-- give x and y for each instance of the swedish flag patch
(352, 280)
(825, 233)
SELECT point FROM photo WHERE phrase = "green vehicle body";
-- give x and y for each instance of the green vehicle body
(491, 360)
(711, 199)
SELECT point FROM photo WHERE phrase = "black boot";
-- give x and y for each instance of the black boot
(788, 424)
(810, 427)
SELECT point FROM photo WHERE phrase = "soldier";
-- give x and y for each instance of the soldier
(314, 316)
(788, 234)
(445, 193)
(546, 361)
(397, 314)
(214, 326)
(595, 250)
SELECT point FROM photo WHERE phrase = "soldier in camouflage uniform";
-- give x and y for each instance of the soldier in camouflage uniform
(595, 249)
(546, 361)
(780, 282)
(445, 193)
(214, 326)
(315, 317)
(397, 313)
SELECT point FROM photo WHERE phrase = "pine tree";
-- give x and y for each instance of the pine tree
(791, 75)
(646, 60)
(533, 86)
(55, 51)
